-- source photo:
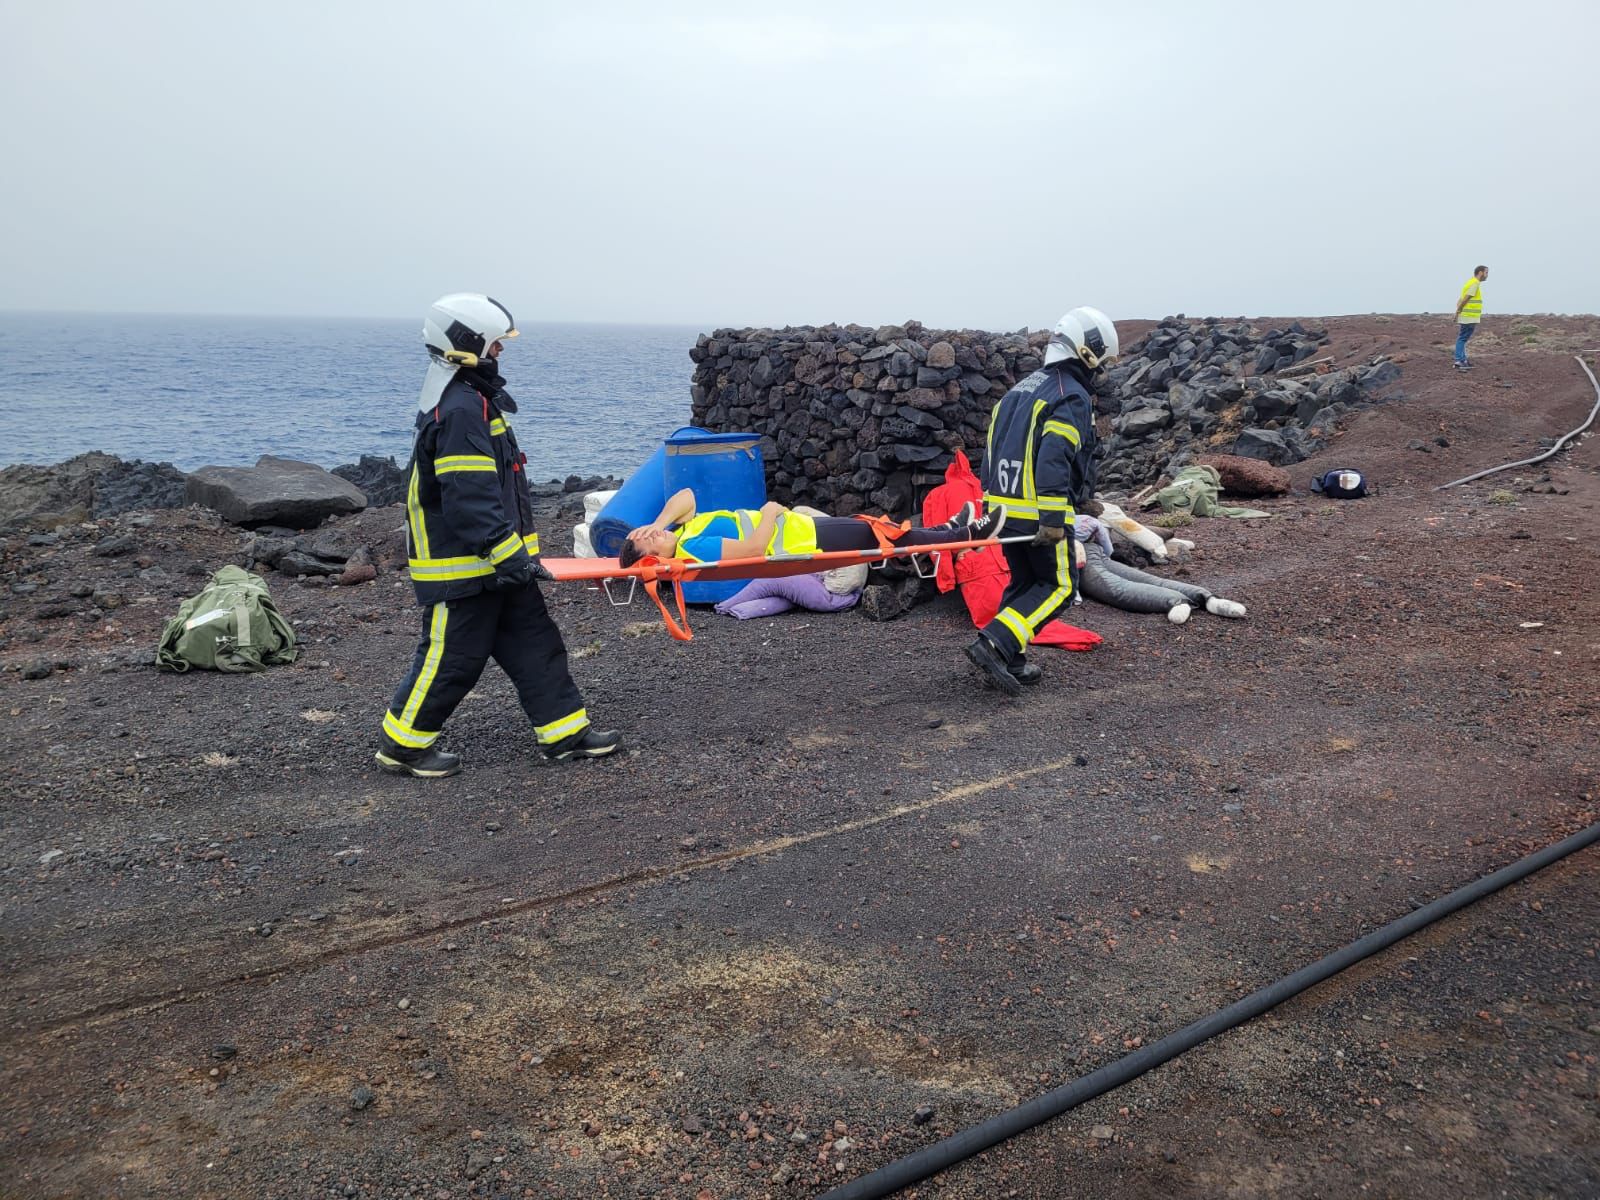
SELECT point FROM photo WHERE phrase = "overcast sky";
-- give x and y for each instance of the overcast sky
(974, 164)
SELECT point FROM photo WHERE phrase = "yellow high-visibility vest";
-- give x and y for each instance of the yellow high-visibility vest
(796, 533)
(1472, 311)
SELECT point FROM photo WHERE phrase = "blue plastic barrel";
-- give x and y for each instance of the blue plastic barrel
(723, 470)
(637, 501)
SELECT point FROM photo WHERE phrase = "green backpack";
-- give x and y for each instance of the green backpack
(231, 626)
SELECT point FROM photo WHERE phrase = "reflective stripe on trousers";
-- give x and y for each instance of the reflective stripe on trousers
(513, 627)
(1041, 584)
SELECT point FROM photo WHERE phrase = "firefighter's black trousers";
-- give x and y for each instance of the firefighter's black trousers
(513, 627)
(1041, 584)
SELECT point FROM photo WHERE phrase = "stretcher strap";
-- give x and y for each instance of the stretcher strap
(886, 530)
(681, 632)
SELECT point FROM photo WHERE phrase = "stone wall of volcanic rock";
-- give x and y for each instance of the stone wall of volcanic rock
(852, 418)
(855, 419)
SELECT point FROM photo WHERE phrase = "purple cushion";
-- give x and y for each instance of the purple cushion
(800, 591)
(767, 606)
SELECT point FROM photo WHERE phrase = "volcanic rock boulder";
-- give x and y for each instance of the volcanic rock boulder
(276, 491)
(380, 479)
(89, 485)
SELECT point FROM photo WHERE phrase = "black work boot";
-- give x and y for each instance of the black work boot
(426, 763)
(985, 654)
(1026, 672)
(591, 743)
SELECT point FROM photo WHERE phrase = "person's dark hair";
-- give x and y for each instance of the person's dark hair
(1479, 267)
(629, 554)
(1093, 507)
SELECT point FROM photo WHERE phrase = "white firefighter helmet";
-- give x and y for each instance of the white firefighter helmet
(461, 327)
(1084, 334)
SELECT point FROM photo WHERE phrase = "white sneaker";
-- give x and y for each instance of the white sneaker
(1178, 613)
(1225, 608)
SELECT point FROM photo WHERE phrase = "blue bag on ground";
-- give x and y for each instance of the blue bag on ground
(1346, 483)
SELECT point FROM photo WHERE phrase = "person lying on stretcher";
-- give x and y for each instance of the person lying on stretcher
(682, 532)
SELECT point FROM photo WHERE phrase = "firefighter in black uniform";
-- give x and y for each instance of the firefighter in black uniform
(1038, 467)
(474, 555)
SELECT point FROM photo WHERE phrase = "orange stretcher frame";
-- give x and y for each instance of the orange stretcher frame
(653, 572)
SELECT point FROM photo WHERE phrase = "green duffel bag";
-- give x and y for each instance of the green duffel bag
(231, 626)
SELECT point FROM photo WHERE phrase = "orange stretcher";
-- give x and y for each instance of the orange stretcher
(653, 572)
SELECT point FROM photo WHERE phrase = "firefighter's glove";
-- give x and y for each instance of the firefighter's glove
(542, 572)
(1049, 535)
(516, 573)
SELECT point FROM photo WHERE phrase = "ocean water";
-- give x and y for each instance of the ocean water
(198, 391)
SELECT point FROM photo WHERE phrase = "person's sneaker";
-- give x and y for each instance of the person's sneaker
(1460, 366)
(1225, 608)
(881, 602)
(987, 526)
(591, 743)
(985, 655)
(1179, 613)
(426, 763)
(962, 519)
(1026, 673)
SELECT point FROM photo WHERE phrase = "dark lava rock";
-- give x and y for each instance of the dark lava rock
(297, 562)
(113, 546)
(336, 545)
(1266, 444)
(275, 490)
(127, 486)
(269, 550)
(361, 1096)
(88, 485)
(1142, 422)
(381, 480)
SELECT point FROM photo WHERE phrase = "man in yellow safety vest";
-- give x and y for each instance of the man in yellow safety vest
(1469, 311)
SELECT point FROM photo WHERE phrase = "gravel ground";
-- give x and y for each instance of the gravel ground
(838, 899)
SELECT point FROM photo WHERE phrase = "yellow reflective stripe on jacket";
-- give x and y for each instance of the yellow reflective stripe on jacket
(506, 549)
(1054, 504)
(1013, 506)
(416, 525)
(1063, 429)
(498, 426)
(1028, 491)
(564, 728)
(531, 543)
(463, 462)
(438, 570)
(1473, 309)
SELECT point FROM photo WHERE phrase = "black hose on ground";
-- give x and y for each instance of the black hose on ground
(931, 1159)
(1539, 458)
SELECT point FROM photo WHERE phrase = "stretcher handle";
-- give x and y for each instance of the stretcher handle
(679, 632)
